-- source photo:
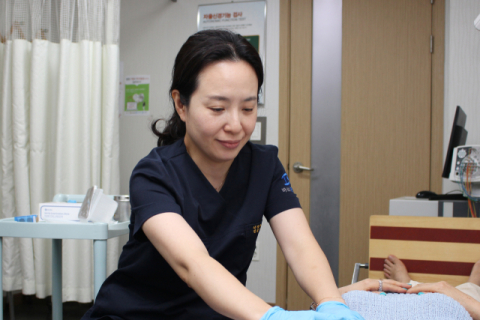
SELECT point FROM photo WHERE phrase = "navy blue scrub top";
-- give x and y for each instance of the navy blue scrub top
(167, 180)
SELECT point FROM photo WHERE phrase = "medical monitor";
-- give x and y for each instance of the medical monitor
(458, 137)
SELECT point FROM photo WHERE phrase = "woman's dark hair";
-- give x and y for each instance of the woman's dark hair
(199, 51)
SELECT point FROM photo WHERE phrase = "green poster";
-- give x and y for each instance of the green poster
(137, 89)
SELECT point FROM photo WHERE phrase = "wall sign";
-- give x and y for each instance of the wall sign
(137, 95)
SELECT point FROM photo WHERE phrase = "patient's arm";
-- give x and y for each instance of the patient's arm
(373, 285)
(470, 304)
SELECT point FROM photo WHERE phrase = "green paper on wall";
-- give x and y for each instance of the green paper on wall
(137, 94)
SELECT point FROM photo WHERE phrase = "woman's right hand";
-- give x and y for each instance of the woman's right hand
(373, 285)
(277, 313)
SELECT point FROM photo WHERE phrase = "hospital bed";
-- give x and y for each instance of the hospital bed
(432, 248)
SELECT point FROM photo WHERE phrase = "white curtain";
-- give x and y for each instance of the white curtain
(59, 128)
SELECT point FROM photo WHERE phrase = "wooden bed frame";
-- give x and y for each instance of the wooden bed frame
(432, 248)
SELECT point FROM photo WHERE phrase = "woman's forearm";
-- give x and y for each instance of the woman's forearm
(222, 291)
(473, 307)
(304, 256)
(313, 273)
(186, 254)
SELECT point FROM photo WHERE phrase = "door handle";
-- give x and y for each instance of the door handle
(298, 167)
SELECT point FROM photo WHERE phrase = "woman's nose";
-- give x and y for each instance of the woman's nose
(233, 124)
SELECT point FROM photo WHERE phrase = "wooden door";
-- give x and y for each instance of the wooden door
(386, 144)
(392, 114)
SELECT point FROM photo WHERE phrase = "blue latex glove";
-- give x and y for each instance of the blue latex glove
(277, 313)
(338, 311)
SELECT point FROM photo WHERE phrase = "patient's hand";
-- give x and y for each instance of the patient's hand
(373, 285)
(470, 304)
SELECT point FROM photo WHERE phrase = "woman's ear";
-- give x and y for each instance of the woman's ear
(179, 106)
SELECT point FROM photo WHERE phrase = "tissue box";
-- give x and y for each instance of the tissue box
(61, 211)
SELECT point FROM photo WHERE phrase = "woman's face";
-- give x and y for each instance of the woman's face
(222, 112)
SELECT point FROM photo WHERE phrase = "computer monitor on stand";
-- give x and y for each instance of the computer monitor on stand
(458, 137)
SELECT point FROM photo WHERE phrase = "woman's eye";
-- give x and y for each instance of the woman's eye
(216, 109)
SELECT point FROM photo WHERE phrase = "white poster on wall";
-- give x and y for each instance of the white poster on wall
(245, 18)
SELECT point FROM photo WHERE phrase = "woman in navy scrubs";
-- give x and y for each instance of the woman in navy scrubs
(198, 200)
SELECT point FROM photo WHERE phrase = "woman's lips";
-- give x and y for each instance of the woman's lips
(229, 144)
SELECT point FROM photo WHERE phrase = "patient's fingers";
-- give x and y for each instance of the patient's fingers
(395, 286)
(440, 287)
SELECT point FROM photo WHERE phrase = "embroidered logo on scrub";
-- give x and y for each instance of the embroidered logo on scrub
(256, 229)
(287, 183)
